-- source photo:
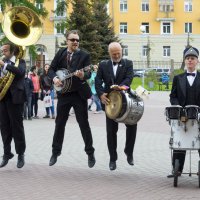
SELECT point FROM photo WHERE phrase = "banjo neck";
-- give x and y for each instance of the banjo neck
(89, 68)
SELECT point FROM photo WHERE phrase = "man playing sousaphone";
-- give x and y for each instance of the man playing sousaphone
(115, 74)
(11, 106)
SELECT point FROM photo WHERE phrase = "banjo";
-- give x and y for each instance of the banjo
(66, 78)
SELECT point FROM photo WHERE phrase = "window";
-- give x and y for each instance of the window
(166, 51)
(61, 8)
(39, 4)
(146, 25)
(166, 5)
(166, 28)
(188, 27)
(123, 27)
(125, 51)
(60, 28)
(188, 6)
(145, 5)
(144, 51)
(1, 8)
(123, 6)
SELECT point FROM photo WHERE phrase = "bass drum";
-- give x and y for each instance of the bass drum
(124, 107)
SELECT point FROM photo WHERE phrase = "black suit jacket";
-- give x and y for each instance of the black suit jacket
(124, 75)
(80, 59)
(17, 88)
(178, 92)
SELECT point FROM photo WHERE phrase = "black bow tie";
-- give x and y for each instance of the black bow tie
(115, 63)
(190, 74)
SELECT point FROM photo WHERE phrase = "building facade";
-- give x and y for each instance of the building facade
(153, 32)
(156, 30)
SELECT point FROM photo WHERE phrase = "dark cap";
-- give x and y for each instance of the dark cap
(191, 51)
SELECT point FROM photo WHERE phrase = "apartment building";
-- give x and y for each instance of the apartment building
(156, 30)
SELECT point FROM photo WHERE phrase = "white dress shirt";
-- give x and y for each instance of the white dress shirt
(191, 78)
(115, 69)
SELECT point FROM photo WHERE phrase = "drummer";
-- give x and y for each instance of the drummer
(186, 91)
(118, 73)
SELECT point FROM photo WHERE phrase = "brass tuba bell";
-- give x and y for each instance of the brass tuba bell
(22, 26)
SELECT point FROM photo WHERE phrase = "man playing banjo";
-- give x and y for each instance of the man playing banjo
(74, 60)
(115, 73)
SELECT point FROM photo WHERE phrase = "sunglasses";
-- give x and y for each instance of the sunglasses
(73, 40)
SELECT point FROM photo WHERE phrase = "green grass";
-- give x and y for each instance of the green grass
(138, 81)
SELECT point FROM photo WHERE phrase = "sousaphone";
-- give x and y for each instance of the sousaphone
(23, 27)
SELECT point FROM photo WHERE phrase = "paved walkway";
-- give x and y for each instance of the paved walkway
(71, 179)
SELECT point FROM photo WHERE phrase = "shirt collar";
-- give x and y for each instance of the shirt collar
(195, 71)
(13, 59)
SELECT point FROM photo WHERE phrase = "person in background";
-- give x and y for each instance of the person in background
(47, 88)
(165, 80)
(35, 94)
(28, 90)
(95, 97)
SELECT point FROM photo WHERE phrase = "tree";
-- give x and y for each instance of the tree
(103, 26)
(81, 19)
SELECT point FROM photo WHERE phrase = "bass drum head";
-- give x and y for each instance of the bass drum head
(113, 109)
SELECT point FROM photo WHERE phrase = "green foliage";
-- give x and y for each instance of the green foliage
(11, 3)
(138, 81)
(82, 19)
(103, 26)
(32, 51)
(151, 76)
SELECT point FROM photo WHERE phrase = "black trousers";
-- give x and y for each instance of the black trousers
(11, 124)
(180, 155)
(112, 128)
(80, 106)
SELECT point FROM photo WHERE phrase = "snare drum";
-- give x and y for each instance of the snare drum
(192, 111)
(185, 135)
(174, 112)
(124, 107)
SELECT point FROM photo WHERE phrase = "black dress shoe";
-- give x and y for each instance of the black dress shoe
(172, 174)
(6, 158)
(53, 159)
(20, 161)
(130, 160)
(91, 161)
(112, 165)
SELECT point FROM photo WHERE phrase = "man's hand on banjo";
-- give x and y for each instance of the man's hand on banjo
(79, 74)
(57, 82)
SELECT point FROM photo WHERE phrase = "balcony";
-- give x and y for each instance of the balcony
(57, 18)
(165, 10)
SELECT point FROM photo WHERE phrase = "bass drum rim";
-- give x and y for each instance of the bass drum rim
(113, 109)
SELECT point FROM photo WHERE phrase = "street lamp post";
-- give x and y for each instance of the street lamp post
(142, 30)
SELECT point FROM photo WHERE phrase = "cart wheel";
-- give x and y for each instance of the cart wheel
(199, 173)
(176, 168)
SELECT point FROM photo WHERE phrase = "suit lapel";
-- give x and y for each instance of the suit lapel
(197, 79)
(183, 80)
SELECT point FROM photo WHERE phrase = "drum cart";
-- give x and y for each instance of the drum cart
(185, 135)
